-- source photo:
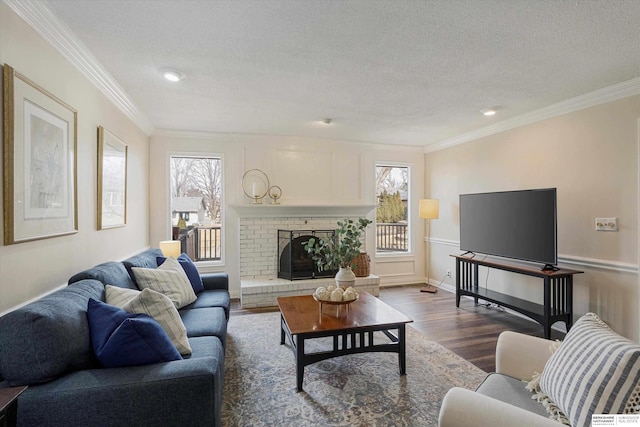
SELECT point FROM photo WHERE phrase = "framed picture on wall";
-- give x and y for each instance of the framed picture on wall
(39, 152)
(112, 180)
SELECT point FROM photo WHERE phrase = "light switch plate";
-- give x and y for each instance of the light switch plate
(606, 224)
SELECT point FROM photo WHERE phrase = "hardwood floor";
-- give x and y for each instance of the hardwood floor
(470, 331)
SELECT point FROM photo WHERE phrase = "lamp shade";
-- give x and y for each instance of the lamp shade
(429, 208)
(170, 248)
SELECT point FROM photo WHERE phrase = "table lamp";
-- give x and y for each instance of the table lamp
(170, 248)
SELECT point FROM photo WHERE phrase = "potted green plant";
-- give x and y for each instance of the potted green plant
(341, 251)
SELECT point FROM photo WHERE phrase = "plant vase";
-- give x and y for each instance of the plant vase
(345, 277)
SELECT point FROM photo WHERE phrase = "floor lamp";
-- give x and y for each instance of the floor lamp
(429, 209)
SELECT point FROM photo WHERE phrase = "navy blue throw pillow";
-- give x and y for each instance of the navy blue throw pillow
(190, 269)
(121, 339)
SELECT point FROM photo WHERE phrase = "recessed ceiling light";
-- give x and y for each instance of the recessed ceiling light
(172, 74)
(489, 111)
(327, 121)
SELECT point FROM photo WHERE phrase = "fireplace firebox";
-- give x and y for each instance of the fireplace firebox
(294, 262)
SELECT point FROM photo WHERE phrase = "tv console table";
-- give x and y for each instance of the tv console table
(558, 290)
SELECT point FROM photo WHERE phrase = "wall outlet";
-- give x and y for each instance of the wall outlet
(606, 224)
(448, 273)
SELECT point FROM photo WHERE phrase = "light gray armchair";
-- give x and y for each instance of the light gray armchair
(502, 399)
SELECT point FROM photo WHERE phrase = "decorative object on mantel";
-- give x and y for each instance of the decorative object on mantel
(275, 192)
(429, 209)
(255, 185)
(340, 251)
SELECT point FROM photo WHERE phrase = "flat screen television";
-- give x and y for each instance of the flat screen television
(513, 224)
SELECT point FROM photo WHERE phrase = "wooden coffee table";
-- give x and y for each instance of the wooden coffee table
(352, 331)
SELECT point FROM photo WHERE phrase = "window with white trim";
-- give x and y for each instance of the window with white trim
(392, 219)
(196, 205)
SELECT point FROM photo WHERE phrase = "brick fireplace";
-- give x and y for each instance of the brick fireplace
(259, 225)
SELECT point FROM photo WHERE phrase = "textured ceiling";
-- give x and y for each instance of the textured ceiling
(397, 72)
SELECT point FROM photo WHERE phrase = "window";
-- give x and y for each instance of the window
(392, 224)
(196, 205)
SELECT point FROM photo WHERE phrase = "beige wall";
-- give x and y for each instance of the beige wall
(309, 171)
(591, 157)
(28, 270)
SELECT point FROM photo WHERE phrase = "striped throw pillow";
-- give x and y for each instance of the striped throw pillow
(594, 371)
(156, 305)
(169, 279)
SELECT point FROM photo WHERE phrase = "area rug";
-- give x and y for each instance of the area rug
(355, 390)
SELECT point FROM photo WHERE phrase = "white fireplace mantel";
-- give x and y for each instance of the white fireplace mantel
(301, 211)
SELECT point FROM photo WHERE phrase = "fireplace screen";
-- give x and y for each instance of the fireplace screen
(294, 263)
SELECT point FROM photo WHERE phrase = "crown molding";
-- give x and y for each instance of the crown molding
(600, 96)
(39, 17)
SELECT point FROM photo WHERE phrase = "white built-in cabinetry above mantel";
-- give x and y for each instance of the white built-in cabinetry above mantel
(300, 211)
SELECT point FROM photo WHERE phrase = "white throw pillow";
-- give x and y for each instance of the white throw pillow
(594, 371)
(169, 279)
(156, 305)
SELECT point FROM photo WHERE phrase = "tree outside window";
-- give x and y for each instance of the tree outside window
(392, 224)
(196, 203)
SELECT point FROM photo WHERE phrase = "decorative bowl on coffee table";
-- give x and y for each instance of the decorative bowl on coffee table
(338, 304)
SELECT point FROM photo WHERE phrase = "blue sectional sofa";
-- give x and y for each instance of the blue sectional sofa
(47, 345)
